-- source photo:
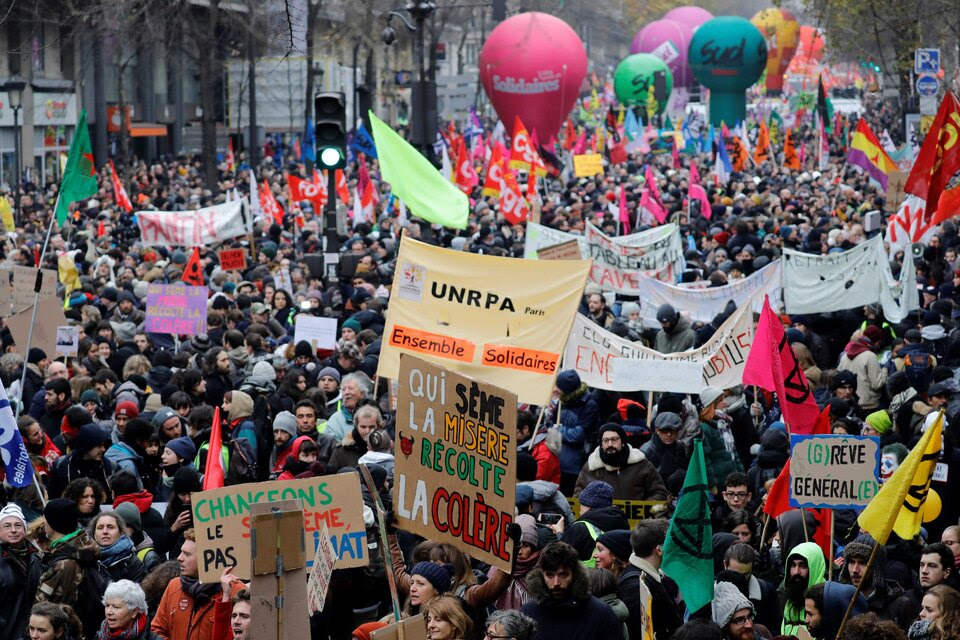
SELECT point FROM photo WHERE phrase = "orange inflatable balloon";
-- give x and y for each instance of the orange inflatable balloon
(811, 43)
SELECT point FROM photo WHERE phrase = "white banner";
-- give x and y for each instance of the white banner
(540, 237)
(853, 278)
(606, 361)
(698, 301)
(211, 225)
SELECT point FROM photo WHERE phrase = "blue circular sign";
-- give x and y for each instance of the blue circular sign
(928, 85)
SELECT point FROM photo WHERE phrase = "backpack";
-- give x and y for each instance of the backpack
(919, 371)
(243, 462)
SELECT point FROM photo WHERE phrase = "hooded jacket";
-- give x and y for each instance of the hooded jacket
(774, 451)
(126, 458)
(579, 414)
(347, 453)
(545, 451)
(871, 377)
(241, 426)
(603, 518)
(291, 454)
(680, 338)
(792, 616)
(547, 497)
(577, 616)
(64, 578)
(637, 480)
(836, 599)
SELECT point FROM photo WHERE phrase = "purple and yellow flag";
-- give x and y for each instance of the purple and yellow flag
(867, 153)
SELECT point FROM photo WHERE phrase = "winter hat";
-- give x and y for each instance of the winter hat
(186, 480)
(183, 447)
(727, 600)
(709, 395)
(162, 415)
(35, 355)
(61, 515)
(128, 409)
(667, 420)
(528, 530)
(88, 437)
(330, 372)
(285, 421)
(873, 333)
(90, 396)
(352, 323)
(303, 350)
(857, 551)
(130, 514)
(527, 467)
(597, 494)
(666, 313)
(568, 381)
(627, 308)
(880, 421)
(618, 541)
(12, 511)
(613, 426)
(523, 496)
(670, 402)
(363, 631)
(437, 575)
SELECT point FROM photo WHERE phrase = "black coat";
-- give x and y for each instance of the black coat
(19, 588)
(605, 519)
(579, 616)
(663, 602)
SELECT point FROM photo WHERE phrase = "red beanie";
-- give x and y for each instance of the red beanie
(363, 631)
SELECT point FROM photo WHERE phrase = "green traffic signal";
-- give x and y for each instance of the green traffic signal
(331, 158)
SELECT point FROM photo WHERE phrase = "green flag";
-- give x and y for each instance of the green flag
(413, 179)
(79, 176)
(688, 550)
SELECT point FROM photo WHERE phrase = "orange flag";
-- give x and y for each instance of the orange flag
(512, 205)
(762, 150)
(521, 148)
(739, 155)
(491, 183)
(790, 158)
(192, 273)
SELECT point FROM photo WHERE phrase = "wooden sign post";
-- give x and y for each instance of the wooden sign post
(278, 586)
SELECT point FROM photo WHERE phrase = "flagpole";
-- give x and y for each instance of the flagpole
(38, 285)
(833, 521)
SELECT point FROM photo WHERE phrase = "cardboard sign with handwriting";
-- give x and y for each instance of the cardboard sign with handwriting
(232, 259)
(587, 165)
(569, 250)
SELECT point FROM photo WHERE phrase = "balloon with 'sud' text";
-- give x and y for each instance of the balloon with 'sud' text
(635, 76)
(532, 66)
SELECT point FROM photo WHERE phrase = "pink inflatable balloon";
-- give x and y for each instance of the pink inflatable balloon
(668, 40)
(532, 66)
(693, 17)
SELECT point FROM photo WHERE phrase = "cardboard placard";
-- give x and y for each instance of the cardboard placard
(68, 341)
(633, 510)
(587, 164)
(414, 628)
(49, 317)
(321, 333)
(23, 283)
(319, 580)
(456, 460)
(896, 193)
(222, 520)
(232, 259)
(177, 309)
(569, 250)
(276, 537)
(833, 471)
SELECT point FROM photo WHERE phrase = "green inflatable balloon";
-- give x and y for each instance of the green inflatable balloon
(727, 55)
(635, 75)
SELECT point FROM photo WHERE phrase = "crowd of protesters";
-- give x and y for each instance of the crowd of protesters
(119, 434)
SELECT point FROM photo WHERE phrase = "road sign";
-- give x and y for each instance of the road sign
(926, 61)
(928, 85)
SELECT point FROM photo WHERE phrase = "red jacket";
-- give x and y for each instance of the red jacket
(179, 617)
(548, 467)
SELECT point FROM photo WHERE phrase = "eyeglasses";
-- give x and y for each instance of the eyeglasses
(739, 620)
(493, 637)
(610, 440)
(739, 495)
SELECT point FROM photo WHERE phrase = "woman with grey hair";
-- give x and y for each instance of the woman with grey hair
(510, 624)
(125, 613)
(355, 389)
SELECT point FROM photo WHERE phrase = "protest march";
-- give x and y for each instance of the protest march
(652, 352)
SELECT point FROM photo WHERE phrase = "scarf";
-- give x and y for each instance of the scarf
(901, 399)
(64, 539)
(200, 593)
(853, 349)
(130, 633)
(18, 555)
(117, 551)
(723, 427)
(347, 414)
(358, 442)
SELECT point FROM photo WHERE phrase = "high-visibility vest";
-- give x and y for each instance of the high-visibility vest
(594, 533)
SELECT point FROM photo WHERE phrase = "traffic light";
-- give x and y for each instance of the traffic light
(331, 129)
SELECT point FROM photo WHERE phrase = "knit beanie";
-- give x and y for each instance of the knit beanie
(527, 467)
(523, 497)
(126, 408)
(330, 372)
(89, 436)
(183, 447)
(616, 428)
(36, 355)
(880, 421)
(618, 541)
(597, 494)
(186, 480)
(627, 308)
(352, 323)
(437, 575)
(12, 511)
(61, 515)
(364, 631)
(568, 381)
(727, 600)
(130, 514)
(303, 350)
(285, 421)
(528, 530)
(90, 396)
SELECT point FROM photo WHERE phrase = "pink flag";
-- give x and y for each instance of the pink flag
(772, 365)
(649, 205)
(676, 155)
(652, 186)
(581, 145)
(624, 216)
(698, 193)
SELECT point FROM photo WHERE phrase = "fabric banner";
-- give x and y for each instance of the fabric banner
(853, 278)
(500, 320)
(606, 361)
(456, 460)
(701, 302)
(191, 228)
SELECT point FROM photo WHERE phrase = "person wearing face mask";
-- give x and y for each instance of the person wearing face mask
(177, 453)
(108, 530)
(302, 459)
(19, 572)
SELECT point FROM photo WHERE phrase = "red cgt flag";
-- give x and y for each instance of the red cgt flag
(938, 160)
(119, 193)
(491, 183)
(512, 205)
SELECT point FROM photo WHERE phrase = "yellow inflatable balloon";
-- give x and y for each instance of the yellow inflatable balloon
(932, 506)
(782, 32)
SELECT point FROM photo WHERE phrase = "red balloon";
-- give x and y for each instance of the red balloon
(532, 66)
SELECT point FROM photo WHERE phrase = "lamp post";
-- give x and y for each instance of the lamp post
(14, 89)
(425, 93)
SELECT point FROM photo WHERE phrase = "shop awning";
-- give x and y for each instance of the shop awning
(146, 129)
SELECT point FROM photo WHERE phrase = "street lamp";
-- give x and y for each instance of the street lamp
(14, 89)
(425, 93)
